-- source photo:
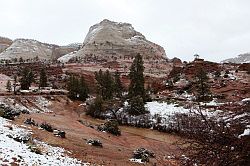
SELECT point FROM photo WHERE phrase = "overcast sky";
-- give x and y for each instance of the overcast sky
(214, 29)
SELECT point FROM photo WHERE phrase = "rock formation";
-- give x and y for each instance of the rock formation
(242, 58)
(32, 49)
(109, 41)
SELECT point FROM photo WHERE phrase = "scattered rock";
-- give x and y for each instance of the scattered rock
(94, 142)
(59, 133)
(30, 121)
(143, 154)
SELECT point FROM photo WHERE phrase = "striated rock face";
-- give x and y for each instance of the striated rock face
(242, 58)
(108, 41)
(4, 43)
(31, 49)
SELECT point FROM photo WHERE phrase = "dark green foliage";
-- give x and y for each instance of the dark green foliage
(83, 89)
(118, 88)
(26, 79)
(14, 84)
(96, 107)
(46, 127)
(77, 88)
(110, 126)
(105, 84)
(203, 91)
(136, 106)
(43, 78)
(8, 86)
(136, 87)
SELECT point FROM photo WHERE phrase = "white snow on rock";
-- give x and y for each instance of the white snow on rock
(67, 57)
(136, 161)
(245, 133)
(13, 152)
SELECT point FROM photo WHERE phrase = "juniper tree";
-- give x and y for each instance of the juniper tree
(43, 78)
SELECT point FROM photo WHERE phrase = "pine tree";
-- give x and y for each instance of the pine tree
(8, 86)
(136, 106)
(118, 88)
(136, 87)
(105, 84)
(77, 88)
(14, 84)
(43, 78)
(83, 89)
(137, 94)
(27, 78)
(203, 90)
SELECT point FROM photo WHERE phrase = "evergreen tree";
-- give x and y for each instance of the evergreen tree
(27, 78)
(77, 88)
(8, 86)
(137, 94)
(105, 84)
(43, 78)
(203, 90)
(83, 89)
(136, 87)
(136, 106)
(14, 84)
(118, 88)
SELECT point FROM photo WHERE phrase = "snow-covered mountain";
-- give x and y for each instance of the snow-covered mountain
(111, 40)
(30, 49)
(242, 58)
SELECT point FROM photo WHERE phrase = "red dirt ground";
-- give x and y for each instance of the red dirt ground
(117, 150)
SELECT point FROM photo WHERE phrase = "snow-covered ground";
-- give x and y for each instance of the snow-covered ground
(13, 152)
(164, 109)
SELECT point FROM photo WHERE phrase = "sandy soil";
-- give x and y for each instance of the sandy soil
(117, 150)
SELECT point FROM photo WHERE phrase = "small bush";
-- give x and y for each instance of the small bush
(46, 127)
(110, 127)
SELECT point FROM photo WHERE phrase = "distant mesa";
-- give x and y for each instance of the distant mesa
(108, 40)
(242, 58)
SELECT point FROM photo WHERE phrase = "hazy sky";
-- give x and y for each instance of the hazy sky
(214, 29)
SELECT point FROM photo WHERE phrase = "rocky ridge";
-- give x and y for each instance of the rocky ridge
(242, 58)
(31, 49)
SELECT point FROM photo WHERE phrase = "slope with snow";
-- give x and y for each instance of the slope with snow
(19, 153)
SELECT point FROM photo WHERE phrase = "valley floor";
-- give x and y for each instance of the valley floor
(117, 150)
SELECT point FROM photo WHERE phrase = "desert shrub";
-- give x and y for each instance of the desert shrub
(110, 126)
(46, 127)
(213, 142)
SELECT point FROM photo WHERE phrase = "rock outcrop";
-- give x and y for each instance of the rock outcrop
(242, 58)
(33, 49)
(109, 41)
(4, 43)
